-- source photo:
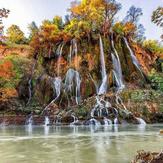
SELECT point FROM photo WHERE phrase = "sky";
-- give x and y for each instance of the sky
(24, 12)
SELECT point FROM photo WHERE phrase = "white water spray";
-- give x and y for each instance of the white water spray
(103, 87)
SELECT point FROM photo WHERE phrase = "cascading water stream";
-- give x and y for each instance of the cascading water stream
(75, 120)
(107, 121)
(57, 80)
(47, 121)
(103, 87)
(117, 67)
(29, 120)
(70, 54)
(120, 102)
(57, 86)
(141, 121)
(60, 49)
(133, 57)
(30, 83)
(58, 120)
(73, 80)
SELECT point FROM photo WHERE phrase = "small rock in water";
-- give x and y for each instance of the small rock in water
(161, 132)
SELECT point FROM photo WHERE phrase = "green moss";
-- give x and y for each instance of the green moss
(82, 112)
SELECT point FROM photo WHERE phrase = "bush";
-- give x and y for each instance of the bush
(156, 80)
(12, 69)
(153, 46)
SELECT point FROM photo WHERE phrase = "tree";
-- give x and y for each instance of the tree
(15, 35)
(3, 14)
(98, 15)
(132, 17)
(154, 46)
(133, 14)
(157, 17)
(33, 30)
(57, 20)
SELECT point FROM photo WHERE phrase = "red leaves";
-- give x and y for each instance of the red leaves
(6, 70)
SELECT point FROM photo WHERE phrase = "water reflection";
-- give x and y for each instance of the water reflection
(46, 130)
(97, 144)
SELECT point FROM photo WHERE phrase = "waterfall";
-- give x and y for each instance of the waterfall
(117, 72)
(70, 54)
(29, 120)
(116, 121)
(73, 80)
(100, 107)
(47, 121)
(58, 119)
(107, 121)
(75, 120)
(141, 121)
(57, 86)
(103, 87)
(75, 47)
(93, 121)
(59, 52)
(120, 102)
(117, 67)
(133, 57)
(30, 83)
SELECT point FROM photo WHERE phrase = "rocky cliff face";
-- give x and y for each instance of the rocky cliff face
(74, 72)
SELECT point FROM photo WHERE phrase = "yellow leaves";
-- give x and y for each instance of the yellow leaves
(129, 28)
(124, 29)
(118, 28)
(7, 93)
(14, 34)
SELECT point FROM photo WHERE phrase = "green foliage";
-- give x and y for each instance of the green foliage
(157, 16)
(156, 80)
(20, 65)
(153, 46)
(119, 28)
(15, 35)
(57, 20)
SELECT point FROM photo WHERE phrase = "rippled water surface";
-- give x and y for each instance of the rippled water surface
(56, 144)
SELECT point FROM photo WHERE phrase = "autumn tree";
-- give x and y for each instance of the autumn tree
(15, 35)
(98, 15)
(132, 17)
(48, 35)
(157, 17)
(57, 20)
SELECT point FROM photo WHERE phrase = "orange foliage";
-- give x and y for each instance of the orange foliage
(129, 28)
(7, 93)
(6, 69)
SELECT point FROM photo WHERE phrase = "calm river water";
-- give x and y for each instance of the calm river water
(84, 144)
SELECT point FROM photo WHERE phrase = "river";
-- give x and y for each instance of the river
(77, 144)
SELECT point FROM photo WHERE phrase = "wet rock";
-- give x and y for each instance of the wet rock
(148, 157)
